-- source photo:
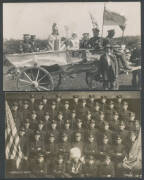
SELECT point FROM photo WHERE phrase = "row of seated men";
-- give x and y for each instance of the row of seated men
(102, 132)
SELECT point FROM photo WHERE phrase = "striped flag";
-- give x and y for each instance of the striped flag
(113, 18)
(13, 150)
(94, 22)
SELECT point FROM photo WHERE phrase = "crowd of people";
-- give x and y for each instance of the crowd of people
(75, 137)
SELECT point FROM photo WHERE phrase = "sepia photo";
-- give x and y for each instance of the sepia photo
(71, 46)
(73, 134)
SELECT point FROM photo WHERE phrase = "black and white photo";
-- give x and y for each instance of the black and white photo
(71, 46)
(73, 134)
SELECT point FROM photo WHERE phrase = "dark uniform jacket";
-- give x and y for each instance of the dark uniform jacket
(109, 72)
(106, 169)
(90, 169)
(91, 148)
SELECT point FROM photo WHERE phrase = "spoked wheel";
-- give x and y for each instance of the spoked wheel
(92, 80)
(35, 79)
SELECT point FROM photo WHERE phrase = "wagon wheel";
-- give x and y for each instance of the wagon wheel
(92, 80)
(35, 79)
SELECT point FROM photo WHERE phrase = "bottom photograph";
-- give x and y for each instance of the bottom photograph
(73, 134)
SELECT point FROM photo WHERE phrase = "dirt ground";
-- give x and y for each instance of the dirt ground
(77, 83)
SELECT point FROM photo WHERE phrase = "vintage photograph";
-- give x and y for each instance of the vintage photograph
(71, 46)
(73, 134)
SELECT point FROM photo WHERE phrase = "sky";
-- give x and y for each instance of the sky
(37, 18)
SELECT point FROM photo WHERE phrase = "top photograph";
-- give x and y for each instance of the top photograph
(71, 46)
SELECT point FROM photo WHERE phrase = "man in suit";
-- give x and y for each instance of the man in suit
(109, 69)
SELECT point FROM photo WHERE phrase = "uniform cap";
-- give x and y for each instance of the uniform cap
(44, 97)
(67, 122)
(92, 122)
(60, 112)
(64, 134)
(78, 134)
(103, 97)
(26, 102)
(75, 96)
(22, 129)
(37, 133)
(132, 114)
(46, 113)
(40, 103)
(111, 102)
(15, 104)
(53, 103)
(41, 122)
(51, 135)
(79, 120)
(32, 96)
(119, 96)
(125, 103)
(33, 112)
(111, 31)
(115, 113)
(27, 121)
(90, 135)
(53, 122)
(66, 102)
(95, 30)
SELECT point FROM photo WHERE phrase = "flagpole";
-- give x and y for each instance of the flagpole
(103, 20)
(122, 38)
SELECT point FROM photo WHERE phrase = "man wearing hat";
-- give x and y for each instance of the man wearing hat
(67, 130)
(82, 111)
(91, 102)
(91, 129)
(41, 130)
(79, 128)
(106, 168)
(34, 45)
(118, 103)
(66, 111)
(75, 103)
(16, 115)
(33, 120)
(73, 119)
(47, 121)
(37, 144)
(28, 131)
(87, 119)
(59, 167)
(53, 110)
(45, 102)
(108, 68)
(25, 46)
(123, 133)
(110, 38)
(114, 122)
(110, 111)
(90, 168)
(24, 145)
(58, 103)
(40, 110)
(32, 102)
(64, 145)
(96, 112)
(130, 124)
(39, 167)
(91, 147)
(119, 152)
(103, 103)
(53, 129)
(78, 141)
(51, 147)
(25, 112)
(60, 120)
(100, 123)
(95, 41)
(84, 42)
(125, 113)
(105, 147)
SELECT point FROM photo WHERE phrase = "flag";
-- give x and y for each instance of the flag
(113, 18)
(122, 27)
(94, 22)
(13, 150)
(134, 159)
